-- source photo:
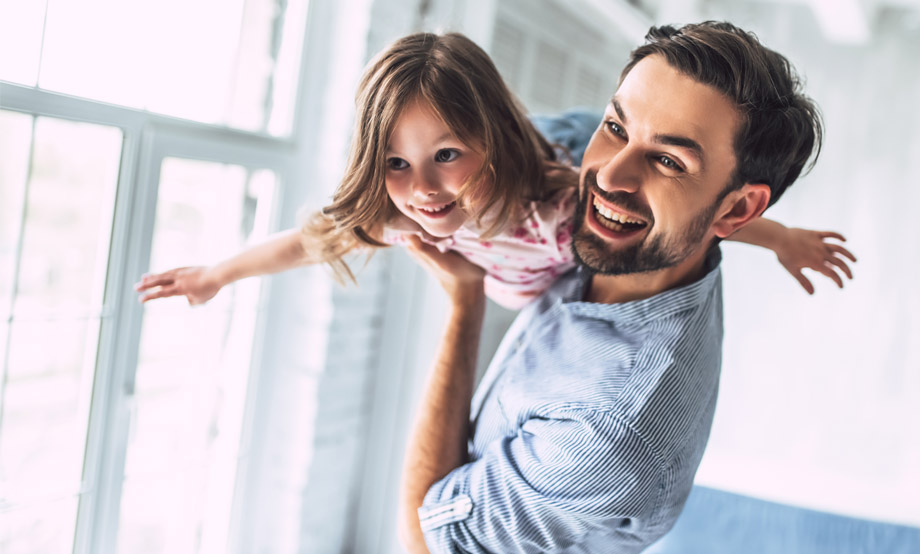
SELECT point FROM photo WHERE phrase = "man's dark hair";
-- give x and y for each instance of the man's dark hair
(780, 128)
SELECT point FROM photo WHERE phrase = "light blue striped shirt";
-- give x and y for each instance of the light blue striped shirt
(588, 426)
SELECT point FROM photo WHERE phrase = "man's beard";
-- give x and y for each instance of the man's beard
(647, 255)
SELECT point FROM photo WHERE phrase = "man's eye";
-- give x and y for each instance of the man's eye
(669, 163)
(616, 128)
(397, 163)
(446, 155)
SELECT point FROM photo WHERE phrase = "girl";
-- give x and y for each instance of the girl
(441, 149)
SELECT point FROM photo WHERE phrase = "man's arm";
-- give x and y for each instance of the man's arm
(438, 442)
(567, 470)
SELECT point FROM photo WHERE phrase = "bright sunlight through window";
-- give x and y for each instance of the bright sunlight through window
(226, 62)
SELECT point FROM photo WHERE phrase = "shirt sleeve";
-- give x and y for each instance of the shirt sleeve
(544, 488)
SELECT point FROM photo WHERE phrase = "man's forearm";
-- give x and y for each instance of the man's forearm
(438, 442)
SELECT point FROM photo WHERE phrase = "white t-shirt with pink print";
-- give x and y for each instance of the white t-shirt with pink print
(522, 260)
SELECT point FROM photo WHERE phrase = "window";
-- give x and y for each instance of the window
(57, 189)
(160, 151)
(229, 62)
(193, 366)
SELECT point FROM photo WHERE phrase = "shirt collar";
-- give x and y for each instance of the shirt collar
(661, 305)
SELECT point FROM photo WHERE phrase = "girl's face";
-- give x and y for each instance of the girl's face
(426, 167)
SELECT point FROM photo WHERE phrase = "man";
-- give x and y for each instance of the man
(587, 429)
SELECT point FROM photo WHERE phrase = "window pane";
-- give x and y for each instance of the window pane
(214, 61)
(70, 205)
(182, 495)
(65, 175)
(45, 402)
(193, 365)
(15, 138)
(21, 32)
(39, 529)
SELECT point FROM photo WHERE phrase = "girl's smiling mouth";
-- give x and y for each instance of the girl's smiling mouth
(436, 211)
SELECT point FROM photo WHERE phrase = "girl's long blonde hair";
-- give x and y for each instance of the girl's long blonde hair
(461, 84)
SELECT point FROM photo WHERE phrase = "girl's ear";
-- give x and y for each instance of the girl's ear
(741, 207)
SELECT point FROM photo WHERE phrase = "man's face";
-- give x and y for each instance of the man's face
(654, 172)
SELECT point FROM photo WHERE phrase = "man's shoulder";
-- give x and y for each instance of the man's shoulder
(612, 359)
(644, 360)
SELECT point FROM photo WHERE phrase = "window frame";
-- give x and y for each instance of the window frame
(148, 138)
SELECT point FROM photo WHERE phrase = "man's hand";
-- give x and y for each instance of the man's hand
(460, 278)
(801, 248)
(195, 283)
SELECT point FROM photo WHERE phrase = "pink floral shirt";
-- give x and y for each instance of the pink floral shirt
(522, 260)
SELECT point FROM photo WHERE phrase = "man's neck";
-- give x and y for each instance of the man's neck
(614, 289)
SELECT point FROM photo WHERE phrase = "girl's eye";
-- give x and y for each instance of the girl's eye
(616, 128)
(397, 163)
(446, 155)
(670, 164)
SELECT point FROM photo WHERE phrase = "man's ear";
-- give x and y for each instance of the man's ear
(741, 207)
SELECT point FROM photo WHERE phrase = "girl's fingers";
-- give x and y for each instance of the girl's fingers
(155, 281)
(832, 275)
(831, 235)
(161, 293)
(842, 251)
(842, 265)
(806, 284)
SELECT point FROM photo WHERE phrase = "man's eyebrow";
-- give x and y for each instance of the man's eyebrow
(682, 142)
(669, 140)
(619, 109)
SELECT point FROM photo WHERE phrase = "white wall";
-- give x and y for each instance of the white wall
(819, 396)
(320, 344)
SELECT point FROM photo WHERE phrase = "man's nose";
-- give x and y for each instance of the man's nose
(622, 171)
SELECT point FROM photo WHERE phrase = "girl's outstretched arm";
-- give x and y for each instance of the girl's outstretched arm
(279, 252)
(799, 248)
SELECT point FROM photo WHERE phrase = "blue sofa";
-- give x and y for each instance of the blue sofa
(718, 522)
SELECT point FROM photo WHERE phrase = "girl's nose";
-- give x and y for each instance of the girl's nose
(425, 184)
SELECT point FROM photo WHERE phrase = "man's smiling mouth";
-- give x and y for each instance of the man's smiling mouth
(614, 220)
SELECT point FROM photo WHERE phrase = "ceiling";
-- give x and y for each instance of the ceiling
(841, 21)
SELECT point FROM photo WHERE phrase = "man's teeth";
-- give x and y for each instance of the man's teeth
(614, 216)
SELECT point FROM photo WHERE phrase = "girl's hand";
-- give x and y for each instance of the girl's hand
(195, 283)
(460, 278)
(803, 248)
